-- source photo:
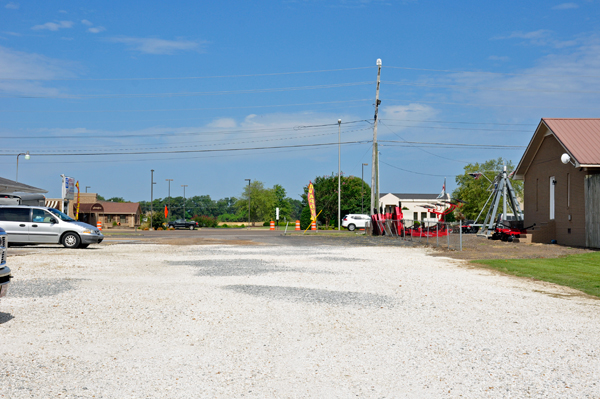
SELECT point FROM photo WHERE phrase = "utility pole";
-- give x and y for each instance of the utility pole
(151, 195)
(375, 161)
(362, 189)
(169, 180)
(339, 173)
(184, 186)
(248, 180)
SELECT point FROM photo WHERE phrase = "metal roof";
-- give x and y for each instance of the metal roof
(581, 137)
(10, 186)
(412, 196)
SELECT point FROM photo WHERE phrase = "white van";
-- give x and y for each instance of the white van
(41, 225)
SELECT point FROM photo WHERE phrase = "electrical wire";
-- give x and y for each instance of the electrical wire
(189, 109)
(450, 145)
(490, 88)
(186, 77)
(491, 105)
(191, 94)
(412, 171)
(463, 129)
(189, 151)
(458, 122)
(494, 73)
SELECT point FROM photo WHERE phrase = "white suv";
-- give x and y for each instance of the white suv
(353, 222)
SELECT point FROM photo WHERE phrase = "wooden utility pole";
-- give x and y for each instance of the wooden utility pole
(375, 161)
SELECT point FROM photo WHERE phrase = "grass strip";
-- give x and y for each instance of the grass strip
(580, 271)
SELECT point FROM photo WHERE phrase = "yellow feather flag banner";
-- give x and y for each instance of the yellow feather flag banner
(311, 202)
(77, 211)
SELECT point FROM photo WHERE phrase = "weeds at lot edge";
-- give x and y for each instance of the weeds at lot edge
(581, 271)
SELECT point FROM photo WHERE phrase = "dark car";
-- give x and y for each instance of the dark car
(183, 224)
(4, 270)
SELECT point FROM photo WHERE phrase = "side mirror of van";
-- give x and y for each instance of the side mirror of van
(53, 221)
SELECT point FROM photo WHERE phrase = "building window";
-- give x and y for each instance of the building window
(423, 216)
(415, 216)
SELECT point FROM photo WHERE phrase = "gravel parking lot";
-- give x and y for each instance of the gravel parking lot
(280, 321)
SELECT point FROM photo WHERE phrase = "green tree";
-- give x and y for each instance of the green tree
(477, 191)
(158, 218)
(326, 197)
(296, 206)
(116, 199)
(262, 202)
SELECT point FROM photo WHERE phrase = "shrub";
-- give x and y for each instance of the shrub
(225, 225)
(206, 221)
(114, 223)
(266, 224)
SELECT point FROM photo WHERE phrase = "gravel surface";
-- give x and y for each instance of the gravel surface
(156, 321)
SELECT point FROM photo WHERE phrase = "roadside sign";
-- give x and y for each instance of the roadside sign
(68, 188)
(277, 213)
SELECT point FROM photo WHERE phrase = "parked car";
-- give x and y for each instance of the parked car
(41, 225)
(183, 224)
(353, 222)
(4, 270)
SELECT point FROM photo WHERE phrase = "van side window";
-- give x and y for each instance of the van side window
(41, 216)
(14, 214)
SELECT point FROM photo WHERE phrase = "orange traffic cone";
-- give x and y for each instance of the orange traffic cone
(99, 225)
(297, 225)
(272, 225)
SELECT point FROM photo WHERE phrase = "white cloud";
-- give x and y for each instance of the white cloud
(563, 82)
(565, 6)
(12, 33)
(97, 29)
(540, 37)
(498, 58)
(226, 123)
(86, 22)
(21, 67)
(53, 26)
(12, 6)
(159, 46)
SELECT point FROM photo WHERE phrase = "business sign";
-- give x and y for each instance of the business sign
(276, 213)
(311, 202)
(68, 188)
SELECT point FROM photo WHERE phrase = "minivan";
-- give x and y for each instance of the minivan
(41, 225)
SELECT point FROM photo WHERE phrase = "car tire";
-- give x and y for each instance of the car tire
(351, 227)
(191, 227)
(71, 240)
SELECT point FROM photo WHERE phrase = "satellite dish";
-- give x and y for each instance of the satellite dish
(565, 158)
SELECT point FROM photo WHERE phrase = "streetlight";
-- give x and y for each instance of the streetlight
(184, 186)
(152, 183)
(26, 157)
(170, 180)
(339, 172)
(362, 187)
(248, 180)
(86, 187)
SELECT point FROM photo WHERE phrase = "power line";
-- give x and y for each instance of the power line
(463, 129)
(165, 134)
(186, 77)
(491, 88)
(190, 151)
(458, 122)
(451, 145)
(495, 73)
(412, 171)
(491, 105)
(191, 109)
(191, 94)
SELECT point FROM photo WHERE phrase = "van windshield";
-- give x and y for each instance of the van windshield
(61, 215)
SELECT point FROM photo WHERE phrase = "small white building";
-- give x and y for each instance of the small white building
(412, 204)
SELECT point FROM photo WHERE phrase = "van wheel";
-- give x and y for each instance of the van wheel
(351, 227)
(191, 227)
(71, 240)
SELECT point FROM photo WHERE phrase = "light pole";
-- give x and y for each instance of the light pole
(86, 187)
(26, 157)
(375, 160)
(362, 188)
(184, 186)
(248, 180)
(339, 172)
(152, 183)
(169, 180)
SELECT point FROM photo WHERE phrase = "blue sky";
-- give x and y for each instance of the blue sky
(134, 85)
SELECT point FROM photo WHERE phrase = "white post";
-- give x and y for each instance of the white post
(339, 173)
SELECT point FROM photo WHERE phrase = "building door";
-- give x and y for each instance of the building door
(592, 211)
(552, 186)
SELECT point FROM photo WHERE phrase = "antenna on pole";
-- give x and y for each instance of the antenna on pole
(375, 162)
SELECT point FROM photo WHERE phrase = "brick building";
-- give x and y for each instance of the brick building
(563, 200)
